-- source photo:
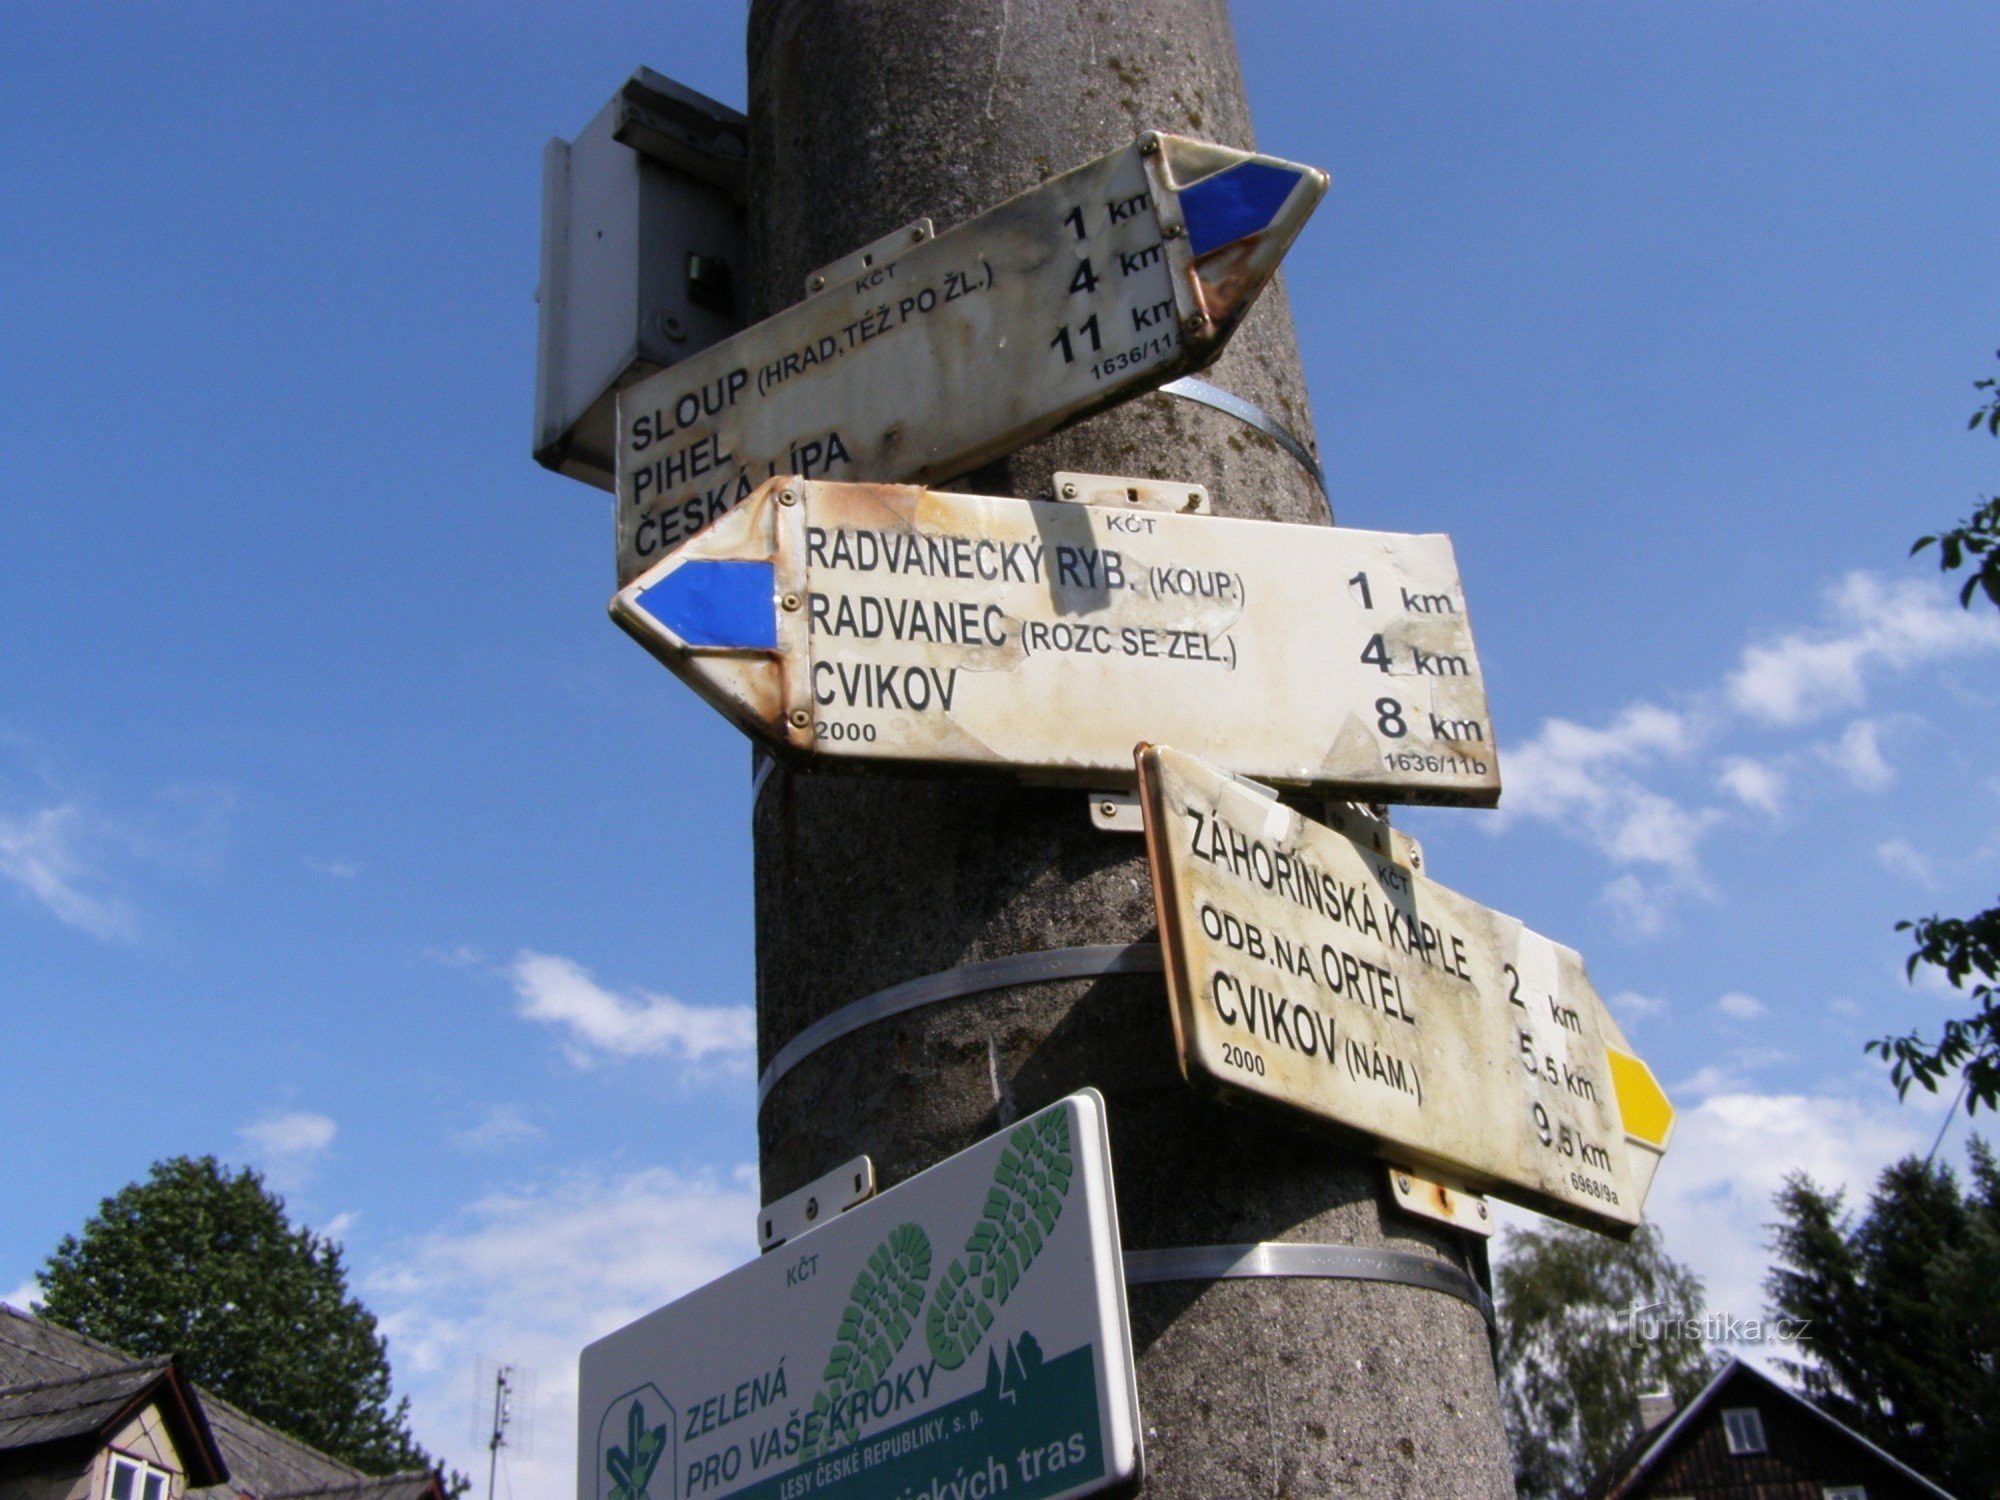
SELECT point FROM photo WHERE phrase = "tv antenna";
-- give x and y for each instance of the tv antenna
(510, 1415)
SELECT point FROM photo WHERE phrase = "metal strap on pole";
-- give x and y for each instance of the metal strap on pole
(1190, 389)
(1087, 962)
(1336, 1262)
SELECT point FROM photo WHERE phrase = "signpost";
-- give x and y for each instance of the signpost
(961, 1337)
(1103, 283)
(877, 623)
(1310, 972)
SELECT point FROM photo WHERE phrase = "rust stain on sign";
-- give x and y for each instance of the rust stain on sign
(891, 623)
(1097, 286)
(1310, 973)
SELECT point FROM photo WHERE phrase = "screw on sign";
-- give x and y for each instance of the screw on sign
(1313, 974)
(1042, 639)
(1097, 286)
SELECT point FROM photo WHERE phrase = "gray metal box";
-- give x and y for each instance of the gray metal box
(642, 255)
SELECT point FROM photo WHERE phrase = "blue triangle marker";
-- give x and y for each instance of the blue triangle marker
(716, 603)
(1240, 201)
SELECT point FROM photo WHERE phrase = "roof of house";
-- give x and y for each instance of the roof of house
(90, 1408)
(1653, 1445)
(395, 1487)
(46, 1411)
(252, 1457)
(31, 1350)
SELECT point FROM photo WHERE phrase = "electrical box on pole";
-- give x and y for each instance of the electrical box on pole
(642, 259)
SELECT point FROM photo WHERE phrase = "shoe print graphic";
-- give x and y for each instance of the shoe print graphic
(1022, 1207)
(887, 1298)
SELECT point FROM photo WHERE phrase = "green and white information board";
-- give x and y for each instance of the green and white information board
(961, 1337)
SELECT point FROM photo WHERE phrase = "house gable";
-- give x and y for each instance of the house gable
(1746, 1433)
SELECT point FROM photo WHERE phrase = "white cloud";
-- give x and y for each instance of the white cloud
(42, 855)
(1846, 1008)
(1629, 790)
(1740, 1007)
(1858, 753)
(531, 1276)
(1929, 979)
(1728, 1072)
(1900, 857)
(1871, 624)
(339, 1225)
(1630, 1005)
(500, 1126)
(24, 1295)
(564, 994)
(1755, 784)
(288, 1145)
(1571, 769)
(339, 869)
(1586, 781)
(1638, 906)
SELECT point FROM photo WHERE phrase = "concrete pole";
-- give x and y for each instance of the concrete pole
(865, 115)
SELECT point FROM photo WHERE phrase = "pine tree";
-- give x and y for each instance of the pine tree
(1904, 1310)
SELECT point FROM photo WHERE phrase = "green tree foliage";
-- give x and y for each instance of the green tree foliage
(197, 1262)
(1571, 1367)
(1905, 1314)
(1967, 949)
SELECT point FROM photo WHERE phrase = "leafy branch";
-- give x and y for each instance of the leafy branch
(1965, 948)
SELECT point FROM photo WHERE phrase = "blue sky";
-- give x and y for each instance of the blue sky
(342, 835)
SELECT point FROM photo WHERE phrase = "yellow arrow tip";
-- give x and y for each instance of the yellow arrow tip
(1644, 1106)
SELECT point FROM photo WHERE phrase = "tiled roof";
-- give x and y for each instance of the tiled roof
(58, 1388)
(49, 1411)
(418, 1486)
(262, 1462)
(32, 1350)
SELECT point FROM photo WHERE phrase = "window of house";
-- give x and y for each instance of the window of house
(1846, 1492)
(1745, 1428)
(134, 1480)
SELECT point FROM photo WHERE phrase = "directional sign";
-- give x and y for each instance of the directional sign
(963, 1335)
(892, 623)
(1310, 972)
(1096, 286)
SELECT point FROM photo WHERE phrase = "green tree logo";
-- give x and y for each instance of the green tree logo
(631, 1467)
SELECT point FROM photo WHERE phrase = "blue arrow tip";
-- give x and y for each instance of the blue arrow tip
(730, 605)
(1223, 209)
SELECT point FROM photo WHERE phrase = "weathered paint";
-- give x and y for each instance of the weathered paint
(1309, 972)
(1047, 639)
(1070, 297)
(1430, 1199)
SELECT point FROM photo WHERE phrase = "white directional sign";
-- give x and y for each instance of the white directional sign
(888, 622)
(1103, 283)
(1306, 970)
(961, 1337)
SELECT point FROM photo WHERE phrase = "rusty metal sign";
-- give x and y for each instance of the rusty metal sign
(1099, 285)
(854, 622)
(1307, 971)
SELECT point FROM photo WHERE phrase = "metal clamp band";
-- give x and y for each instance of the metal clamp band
(1190, 389)
(1337, 1262)
(967, 979)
